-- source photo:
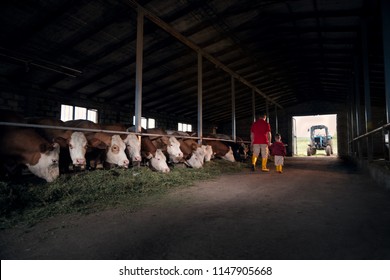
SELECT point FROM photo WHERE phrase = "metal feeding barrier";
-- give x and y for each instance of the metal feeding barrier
(108, 131)
(373, 145)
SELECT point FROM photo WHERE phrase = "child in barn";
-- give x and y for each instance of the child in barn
(278, 150)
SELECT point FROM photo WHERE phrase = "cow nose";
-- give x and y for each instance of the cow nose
(126, 162)
(180, 155)
(54, 161)
(80, 161)
(137, 158)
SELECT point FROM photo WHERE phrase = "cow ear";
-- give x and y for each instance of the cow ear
(165, 140)
(62, 141)
(55, 147)
(146, 155)
(104, 137)
(43, 147)
(68, 134)
(96, 143)
(149, 156)
(194, 146)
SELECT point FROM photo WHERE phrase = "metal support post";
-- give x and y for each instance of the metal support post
(253, 105)
(367, 95)
(138, 70)
(200, 98)
(385, 8)
(357, 107)
(233, 109)
(276, 120)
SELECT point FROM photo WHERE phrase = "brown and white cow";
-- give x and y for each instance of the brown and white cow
(133, 145)
(25, 146)
(220, 149)
(193, 154)
(243, 149)
(208, 152)
(73, 143)
(167, 143)
(112, 144)
(239, 148)
(155, 157)
(203, 151)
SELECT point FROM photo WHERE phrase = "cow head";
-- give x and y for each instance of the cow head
(159, 162)
(194, 161)
(229, 156)
(77, 144)
(208, 152)
(133, 147)
(116, 152)
(243, 149)
(47, 165)
(173, 149)
(200, 153)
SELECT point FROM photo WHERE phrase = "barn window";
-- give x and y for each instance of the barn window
(69, 112)
(151, 123)
(146, 122)
(184, 127)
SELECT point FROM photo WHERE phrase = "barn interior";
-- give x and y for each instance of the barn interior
(213, 66)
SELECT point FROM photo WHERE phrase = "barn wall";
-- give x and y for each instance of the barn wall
(34, 102)
(44, 105)
(28, 102)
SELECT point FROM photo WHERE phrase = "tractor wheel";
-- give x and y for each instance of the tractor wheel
(328, 150)
(308, 151)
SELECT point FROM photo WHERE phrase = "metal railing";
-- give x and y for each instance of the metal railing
(373, 145)
(106, 131)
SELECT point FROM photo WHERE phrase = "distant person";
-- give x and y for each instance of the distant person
(260, 140)
(278, 150)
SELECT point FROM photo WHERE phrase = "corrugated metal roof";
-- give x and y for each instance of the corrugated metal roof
(292, 51)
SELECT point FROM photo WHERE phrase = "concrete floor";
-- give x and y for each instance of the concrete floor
(319, 208)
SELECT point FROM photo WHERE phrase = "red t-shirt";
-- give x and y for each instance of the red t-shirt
(278, 149)
(260, 129)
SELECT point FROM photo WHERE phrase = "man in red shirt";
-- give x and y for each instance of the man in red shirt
(260, 140)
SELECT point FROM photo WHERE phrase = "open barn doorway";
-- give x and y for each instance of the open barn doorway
(314, 136)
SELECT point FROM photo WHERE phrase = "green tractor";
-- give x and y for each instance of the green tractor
(319, 140)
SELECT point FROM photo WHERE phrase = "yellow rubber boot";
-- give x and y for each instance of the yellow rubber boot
(280, 168)
(277, 168)
(264, 165)
(254, 160)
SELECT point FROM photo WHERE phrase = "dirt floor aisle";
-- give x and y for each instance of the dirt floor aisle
(319, 208)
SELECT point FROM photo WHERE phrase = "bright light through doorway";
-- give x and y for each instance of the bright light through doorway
(301, 133)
